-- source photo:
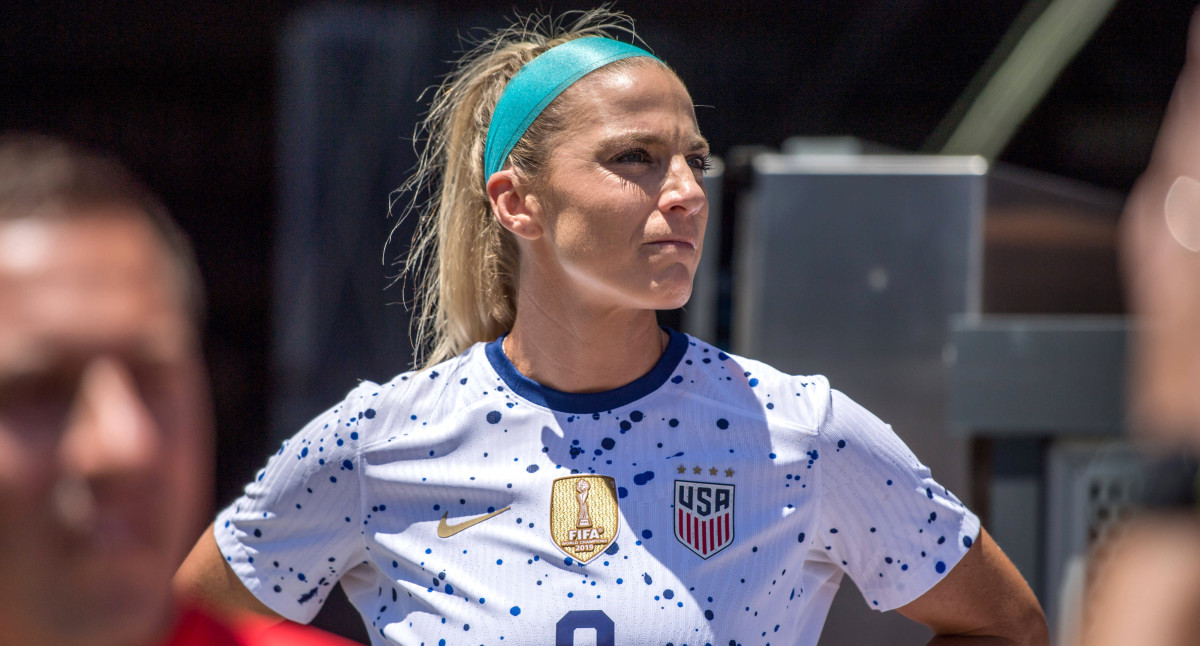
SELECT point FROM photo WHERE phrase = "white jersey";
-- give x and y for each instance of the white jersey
(713, 501)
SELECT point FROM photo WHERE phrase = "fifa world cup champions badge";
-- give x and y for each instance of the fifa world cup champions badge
(584, 517)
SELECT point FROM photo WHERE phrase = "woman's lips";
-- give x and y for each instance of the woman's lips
(674, 242)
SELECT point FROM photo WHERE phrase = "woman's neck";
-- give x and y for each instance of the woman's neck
(582, 350)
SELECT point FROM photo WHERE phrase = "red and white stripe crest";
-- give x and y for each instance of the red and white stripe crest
(703, 516)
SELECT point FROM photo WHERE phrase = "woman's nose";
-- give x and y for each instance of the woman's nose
(683, 190)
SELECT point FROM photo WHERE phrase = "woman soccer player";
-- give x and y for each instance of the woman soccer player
(562, 463)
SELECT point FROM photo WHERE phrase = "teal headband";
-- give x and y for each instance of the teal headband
(538, 82)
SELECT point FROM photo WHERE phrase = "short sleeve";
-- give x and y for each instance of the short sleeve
(884, 519)
(297, 528)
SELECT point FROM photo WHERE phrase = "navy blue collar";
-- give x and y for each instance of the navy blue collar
(581, 403)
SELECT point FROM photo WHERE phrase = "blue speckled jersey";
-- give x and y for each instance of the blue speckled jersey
(739, 496)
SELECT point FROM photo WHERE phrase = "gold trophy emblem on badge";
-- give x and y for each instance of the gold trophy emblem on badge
(585, 520)
(584, 517)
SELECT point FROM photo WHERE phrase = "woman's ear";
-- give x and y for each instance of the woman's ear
(514, 207)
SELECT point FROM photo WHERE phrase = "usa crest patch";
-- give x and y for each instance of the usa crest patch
(704, 516)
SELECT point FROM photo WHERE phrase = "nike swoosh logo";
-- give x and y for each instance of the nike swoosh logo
(446, 531)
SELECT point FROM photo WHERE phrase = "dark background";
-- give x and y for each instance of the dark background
(186, 93)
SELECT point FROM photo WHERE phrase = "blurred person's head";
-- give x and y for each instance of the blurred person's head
(105, 418)
(1161, 254)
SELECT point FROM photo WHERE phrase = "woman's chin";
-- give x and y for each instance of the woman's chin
(671, 297)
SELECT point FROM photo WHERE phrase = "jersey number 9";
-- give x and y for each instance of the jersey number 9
(564, 632)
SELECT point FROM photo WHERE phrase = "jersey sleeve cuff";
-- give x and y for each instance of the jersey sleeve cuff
(241, 561)
(928, 572)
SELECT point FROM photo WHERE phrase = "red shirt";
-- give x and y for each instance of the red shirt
(195, 628)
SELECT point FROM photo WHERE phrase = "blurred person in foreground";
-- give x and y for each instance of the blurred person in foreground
(105, 416)
(1146, 581)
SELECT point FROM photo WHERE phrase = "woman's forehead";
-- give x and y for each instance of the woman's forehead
(644, 100)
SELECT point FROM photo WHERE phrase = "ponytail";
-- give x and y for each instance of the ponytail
(466, 262)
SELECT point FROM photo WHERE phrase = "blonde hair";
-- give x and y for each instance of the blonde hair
(466, 262)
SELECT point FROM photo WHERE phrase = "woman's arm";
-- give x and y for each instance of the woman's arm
(206, 578)
(982, 600)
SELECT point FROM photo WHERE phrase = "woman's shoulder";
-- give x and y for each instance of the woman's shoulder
(753, 371)
(431, 379)
(418, 392)
(782, 396)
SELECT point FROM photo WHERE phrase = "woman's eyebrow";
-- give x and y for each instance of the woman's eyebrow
(651, 139)
(626, 138)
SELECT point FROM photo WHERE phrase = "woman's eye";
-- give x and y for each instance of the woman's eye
(633, 156)
(701, 162)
